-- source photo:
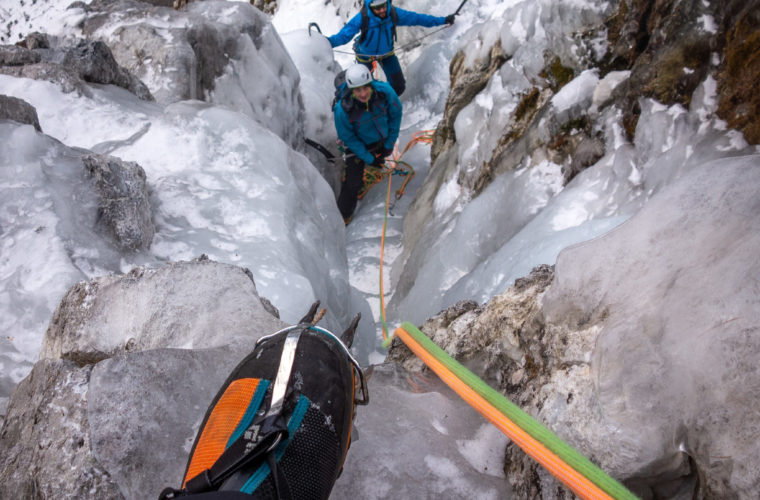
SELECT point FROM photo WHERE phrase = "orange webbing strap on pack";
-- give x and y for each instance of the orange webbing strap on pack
(227, 414)
(602, 487)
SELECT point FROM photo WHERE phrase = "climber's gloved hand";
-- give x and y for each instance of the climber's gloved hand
(387, 152)
(379, 161)
(450, 18)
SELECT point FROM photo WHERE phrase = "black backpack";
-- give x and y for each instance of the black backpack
(365, 22)
(340, 88)
(272, 413)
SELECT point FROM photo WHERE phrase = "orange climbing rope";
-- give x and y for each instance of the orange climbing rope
(424, 137)
(382, 251)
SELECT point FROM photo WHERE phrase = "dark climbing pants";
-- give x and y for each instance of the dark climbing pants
(353, 181)
(392, 69)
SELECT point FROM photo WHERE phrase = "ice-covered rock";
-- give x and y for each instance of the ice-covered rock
(573, 100)
(676, 321)
(312, 55)
(638, 350)
(504, 126)
(220, 184)
(526, 214)
(93, 62)
(191, 305)
(227, 53)
(48, 243)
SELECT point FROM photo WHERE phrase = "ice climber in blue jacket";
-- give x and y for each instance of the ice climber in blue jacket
(367, 119)
(376, 26)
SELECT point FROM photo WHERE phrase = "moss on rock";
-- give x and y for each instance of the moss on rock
(739, 101)
(678, 71)
(557, 74)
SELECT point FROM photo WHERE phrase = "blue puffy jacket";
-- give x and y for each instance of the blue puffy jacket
(359, 125)
(379, 40)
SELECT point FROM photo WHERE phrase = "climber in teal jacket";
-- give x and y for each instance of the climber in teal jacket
(376, 24)
(367, 118)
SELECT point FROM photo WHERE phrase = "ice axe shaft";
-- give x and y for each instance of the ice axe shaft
(456, 12)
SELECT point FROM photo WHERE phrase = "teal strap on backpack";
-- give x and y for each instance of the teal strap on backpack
(261, 474)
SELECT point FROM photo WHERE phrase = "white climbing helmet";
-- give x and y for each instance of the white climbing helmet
(377, 3)
(357, 75)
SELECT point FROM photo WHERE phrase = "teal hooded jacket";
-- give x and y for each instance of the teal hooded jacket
(361, 125)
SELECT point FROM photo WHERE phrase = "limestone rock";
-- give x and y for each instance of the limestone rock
(124, 210)
(13, 55)
(46, 58)
(45, 444)
(35, 40)
(12, 108)
(442, 329)
(265, 6)
(120, 429)
(501, 341)
(198, 304)
(93, 62)
(115, 413)
(145, 408)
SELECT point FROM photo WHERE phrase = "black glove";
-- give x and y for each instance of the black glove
(450, 18)
(387, 152)
(379, 161)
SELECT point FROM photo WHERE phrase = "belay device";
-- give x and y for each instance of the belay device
(280, 426)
